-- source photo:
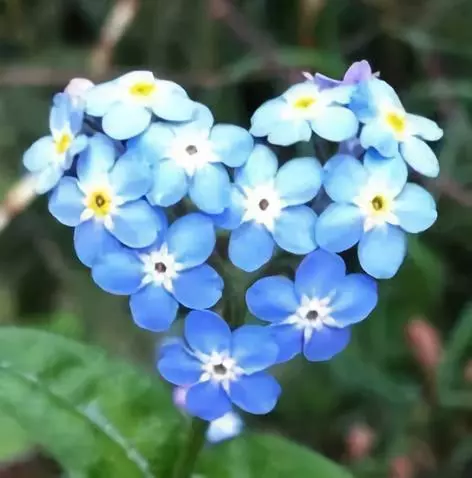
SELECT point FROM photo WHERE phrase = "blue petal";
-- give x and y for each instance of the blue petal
(381, 92)
(60, 111)
(97, 160)
(250, 246)
(78, 145)
(172, 103)
(207, 400)
(119, 272)
(66, 202)
(345, 177)
(260, 168)
(289, 340)
(207, 332)
(170, 183)
(420, 157)
(125, 120)
(231, 217)
(382, 250)
(356, 297)
(202, 119)
(376, 135)
(295, 230)
(130, 178)
(272, 298)
(153, 308)
(287, 132)
(424, 128)
(299, 180)
(47, 179)
(336, 123)
(257, 393)
(232, 144)
(339, 227)
(154, 143)
(100, 98)
(324, 344)
(191, 239)
(178, 367)
(135, 224)
(266, 116)
(254, 348)
(319, 274)
(210, 188)
(198, 288)
(39, 155)
(228, 426)
(415, 208)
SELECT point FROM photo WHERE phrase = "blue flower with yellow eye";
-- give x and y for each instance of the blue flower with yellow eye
(50, 156)
(390, 130)
(127, 104)
(305, 108)
(375, 207)
(105, 202)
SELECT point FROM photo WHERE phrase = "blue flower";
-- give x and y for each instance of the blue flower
(304, 108)
(191, 158)
(169, 272)
(267, 208)
(50, 156)
(313, 315)
(221, 367)
(127, 103)
(104, 203)
(391, 130)
(375, 207)
(358, 72)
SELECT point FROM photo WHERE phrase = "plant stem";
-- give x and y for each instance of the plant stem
(191, 449)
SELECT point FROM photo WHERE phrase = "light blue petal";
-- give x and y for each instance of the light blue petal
(336, 123)
(231, 217)
(154, 143)
(272, 299)
(295, 230)
(210, 188)
(60, 112)
(207, 332)
(250, 246)
(119, 272)
(153, 308)
(289, 340)
(382, 250)
(191, 239)
(260, 168)
(375, 134)
(97, 160)
(344, 179)
(254, 348)
(125, 120)
(268, 114)
(202, 119)
(420, 157)
(78, 145)
(299, 180)
(179, 367)
(208, 401)
(39, 155)
(319, 274)
(355, 298)
(287, 132)
(324, 344)
(48, 178)
(424, 128)
(232, 144)
(305, 88)
(198, 288)
(340, 95)
(172, 104)
(228, 426)
(130, 178)
(66, 202)
(257, 393)
(100, 98)
(170, 183)
(339, 227)
(382, 91)
(415, 208)
(134, 224)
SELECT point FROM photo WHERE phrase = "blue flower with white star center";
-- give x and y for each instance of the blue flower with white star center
(126, 104)
(169, 272)
(391, 130)
(221, 368)
(267, 208)
(50, 156)
(104, 203)
(373, 205)
(313, 314)
(191, 158)
(304, 108)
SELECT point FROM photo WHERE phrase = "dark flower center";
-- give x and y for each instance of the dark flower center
(312, 315)
(100, 200)
(219, 369)
(263, 204)
(160, 267)
(191, 149)
(378, 203)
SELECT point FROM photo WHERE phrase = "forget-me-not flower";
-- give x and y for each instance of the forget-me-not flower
(169, 272)
(359, 71)
(50, 156)
(104, 203)
(304, 108)
(191, 158)
(267, 208)
(126, 104)
(313, 315)
(221, 368)
(373, 205)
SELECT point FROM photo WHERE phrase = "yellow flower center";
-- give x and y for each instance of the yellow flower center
(143, 89)
(100, 203)
(304, 102)
(396, 121)
(63, 143)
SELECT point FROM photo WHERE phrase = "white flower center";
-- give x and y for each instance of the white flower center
(160, 268)
(262, 204)
(220, 368)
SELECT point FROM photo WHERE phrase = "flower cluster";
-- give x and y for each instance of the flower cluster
(148, 180)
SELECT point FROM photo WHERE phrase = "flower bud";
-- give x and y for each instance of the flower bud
(401, 467)
(425, 344)
(359, 441)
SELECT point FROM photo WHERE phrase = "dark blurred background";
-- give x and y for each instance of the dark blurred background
(397, 403)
